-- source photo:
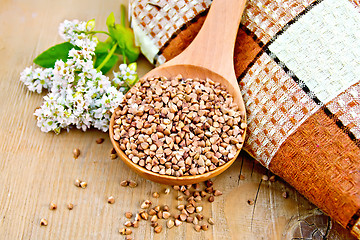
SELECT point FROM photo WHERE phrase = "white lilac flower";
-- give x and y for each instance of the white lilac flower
(37, 79)
(79, 95)
(117, 80)
(72, 30)
(127, 75)
(126, 71)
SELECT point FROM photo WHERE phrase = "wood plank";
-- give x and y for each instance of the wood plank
(37, 168)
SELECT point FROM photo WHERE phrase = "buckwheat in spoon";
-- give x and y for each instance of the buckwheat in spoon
(184, 122)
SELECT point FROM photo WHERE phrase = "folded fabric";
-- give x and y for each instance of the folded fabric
(298, 66)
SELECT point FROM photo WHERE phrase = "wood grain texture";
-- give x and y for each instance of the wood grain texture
(37, 168)
(213, 46)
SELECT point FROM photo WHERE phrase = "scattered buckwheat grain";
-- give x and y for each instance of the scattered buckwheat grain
(43, 222)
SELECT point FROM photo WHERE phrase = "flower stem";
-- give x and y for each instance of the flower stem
(123, 14)
(94, 32)
(112, 50)
(124, 56)
(123, 23)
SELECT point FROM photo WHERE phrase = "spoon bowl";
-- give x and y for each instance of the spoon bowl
(201, 60)
(187, 71)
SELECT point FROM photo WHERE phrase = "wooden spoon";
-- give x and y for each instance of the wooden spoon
(210, 55)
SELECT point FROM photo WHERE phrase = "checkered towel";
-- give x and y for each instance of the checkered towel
(298, 66)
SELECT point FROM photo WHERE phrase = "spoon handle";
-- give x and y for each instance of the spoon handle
(213, 47)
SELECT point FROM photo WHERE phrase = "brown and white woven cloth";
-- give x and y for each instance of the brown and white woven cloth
(298, 66)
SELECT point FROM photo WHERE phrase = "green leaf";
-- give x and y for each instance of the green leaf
(109, 64)
(132, 52)
(48, 58)
(117, 32)
(125, 38)
(104, 47)
(110, 21)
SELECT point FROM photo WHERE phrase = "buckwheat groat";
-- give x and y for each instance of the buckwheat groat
(179, 126)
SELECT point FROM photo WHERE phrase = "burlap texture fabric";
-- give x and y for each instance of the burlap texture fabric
(298, 66)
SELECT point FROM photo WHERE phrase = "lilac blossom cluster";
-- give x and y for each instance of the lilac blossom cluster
(78, 94)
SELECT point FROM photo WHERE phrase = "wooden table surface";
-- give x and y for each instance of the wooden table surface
(38, 168)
